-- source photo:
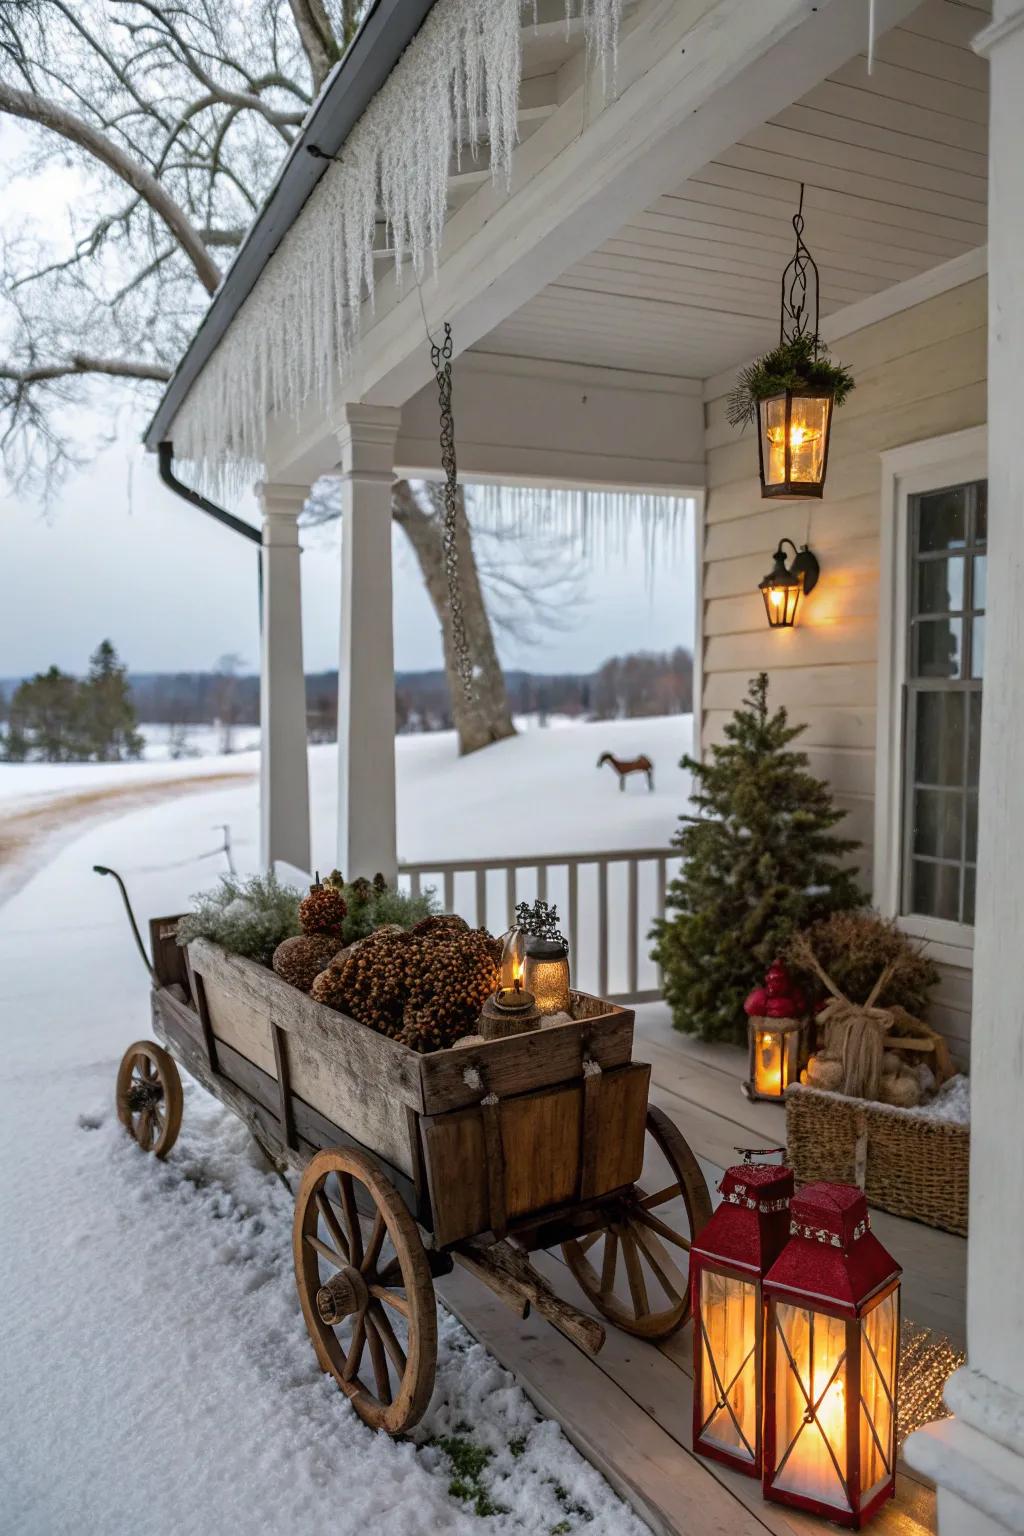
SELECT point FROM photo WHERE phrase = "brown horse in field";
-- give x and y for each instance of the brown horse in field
(625, 766)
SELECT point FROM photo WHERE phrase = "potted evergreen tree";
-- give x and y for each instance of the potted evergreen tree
(760, 862)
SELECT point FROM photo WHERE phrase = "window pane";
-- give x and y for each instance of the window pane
(973, 739)
(936, 890)
(971, 830)
(940, 585)
(939, 643)
(942, 520)
(969, 883)
(938, 823)
(980, 563)
(981, 512)
(978, 646)
(940, 739)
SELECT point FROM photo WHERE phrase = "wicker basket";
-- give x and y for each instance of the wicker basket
(906, 1163)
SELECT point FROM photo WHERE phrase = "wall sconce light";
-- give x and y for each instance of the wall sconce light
(784, 585)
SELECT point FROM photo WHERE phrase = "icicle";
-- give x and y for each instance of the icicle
(297, 333)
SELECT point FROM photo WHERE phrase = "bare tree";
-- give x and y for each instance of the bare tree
(225, 698)
(177, 113)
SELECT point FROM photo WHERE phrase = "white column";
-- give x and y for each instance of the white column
(366, 665)
(284, 765)
(977, 1458)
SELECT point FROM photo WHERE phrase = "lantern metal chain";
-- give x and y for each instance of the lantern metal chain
(441, 362)
(796, 281)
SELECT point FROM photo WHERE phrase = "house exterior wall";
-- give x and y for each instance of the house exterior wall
(920, 374)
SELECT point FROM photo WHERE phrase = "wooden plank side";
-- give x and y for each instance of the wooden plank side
(541, 1143)
(169, 961)
(345, 1043)
(235, 1022)
(534, 1060)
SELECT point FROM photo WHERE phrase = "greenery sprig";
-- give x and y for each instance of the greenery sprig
(539, 920)
(800, 363)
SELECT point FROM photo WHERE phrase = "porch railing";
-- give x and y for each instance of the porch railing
(606, 902)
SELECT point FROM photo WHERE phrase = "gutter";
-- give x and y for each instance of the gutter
(347, 92)
(165, 451)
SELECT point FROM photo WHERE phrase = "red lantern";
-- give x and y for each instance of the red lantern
(776, 1013)
(727, 1264)
(831, 1351)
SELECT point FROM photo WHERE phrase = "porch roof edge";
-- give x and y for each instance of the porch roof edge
(347, 92)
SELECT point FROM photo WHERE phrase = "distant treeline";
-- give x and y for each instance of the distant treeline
(55, 717)
(624, 687)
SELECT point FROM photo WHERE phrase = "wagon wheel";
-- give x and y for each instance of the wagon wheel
(644, 1236)
(365, 1289)
(149, 1097)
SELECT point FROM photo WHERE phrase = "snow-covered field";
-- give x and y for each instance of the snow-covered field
(157, 1376)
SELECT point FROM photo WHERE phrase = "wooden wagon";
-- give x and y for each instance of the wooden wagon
(409, 1163)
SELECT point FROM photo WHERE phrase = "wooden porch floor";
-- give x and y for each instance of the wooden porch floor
(629, 1409)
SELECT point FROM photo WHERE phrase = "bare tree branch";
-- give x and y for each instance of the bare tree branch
(113, 367)
(50, 114)
(317, 38)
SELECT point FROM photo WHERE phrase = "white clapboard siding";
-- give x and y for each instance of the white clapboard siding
(919, 373)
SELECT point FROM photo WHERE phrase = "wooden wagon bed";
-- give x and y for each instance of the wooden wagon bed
(482, 1154)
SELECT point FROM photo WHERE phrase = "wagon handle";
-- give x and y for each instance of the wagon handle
(101, 869)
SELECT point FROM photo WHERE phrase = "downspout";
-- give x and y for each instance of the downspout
(165, 460)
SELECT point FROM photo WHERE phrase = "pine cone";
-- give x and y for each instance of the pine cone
(425, 988)
(323, 910)
(301, 959)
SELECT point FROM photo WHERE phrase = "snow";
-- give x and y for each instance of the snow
(22, 783)
(157, 1374)
(952, 1102)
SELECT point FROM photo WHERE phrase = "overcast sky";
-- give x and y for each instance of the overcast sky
(117, 555)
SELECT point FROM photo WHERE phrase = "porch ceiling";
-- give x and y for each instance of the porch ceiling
(895, 166)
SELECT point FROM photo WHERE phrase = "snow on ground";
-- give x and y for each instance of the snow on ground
(24, 784)
(197, 740)
(157, 1374)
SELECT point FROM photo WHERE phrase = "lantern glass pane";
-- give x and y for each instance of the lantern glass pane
(810, 1406)
(776, 1058)
(729, 1314)
(548, 980)
(807, 438)
(513, 959)
(878, 1392)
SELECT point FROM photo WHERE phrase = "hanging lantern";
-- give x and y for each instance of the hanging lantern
(792, 391)
(775, 1012)
(728, 1262)
(784, 585)
(546, 974)
(793, 442)
(831, 1350)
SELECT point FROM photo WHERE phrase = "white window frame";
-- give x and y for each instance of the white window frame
(913, 470)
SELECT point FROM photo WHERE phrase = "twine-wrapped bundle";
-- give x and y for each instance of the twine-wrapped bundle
(857, 1035)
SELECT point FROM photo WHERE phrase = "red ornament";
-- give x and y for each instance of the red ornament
(831, 1351)
(779, 998)
(727, 1263)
